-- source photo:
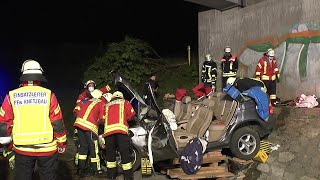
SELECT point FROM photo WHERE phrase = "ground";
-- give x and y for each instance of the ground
(297, 132)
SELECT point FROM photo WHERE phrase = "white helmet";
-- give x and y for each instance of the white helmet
(227, 49)
(270, 52)
(208, 57)
(96, 93)
(231, 80)
(32, 71)
(107, 96)
(117, 94)
(89, 82)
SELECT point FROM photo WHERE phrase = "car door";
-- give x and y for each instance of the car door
(163, 143)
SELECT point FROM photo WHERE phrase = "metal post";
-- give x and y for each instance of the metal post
(189, 54)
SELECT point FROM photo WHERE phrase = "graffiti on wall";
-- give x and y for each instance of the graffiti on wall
(304, 27)
(298, 58)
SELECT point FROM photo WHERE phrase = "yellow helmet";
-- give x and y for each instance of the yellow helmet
(117, 94)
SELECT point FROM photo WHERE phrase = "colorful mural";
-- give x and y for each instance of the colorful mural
(298, 58)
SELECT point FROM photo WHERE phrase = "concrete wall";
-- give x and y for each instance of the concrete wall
(237, 26)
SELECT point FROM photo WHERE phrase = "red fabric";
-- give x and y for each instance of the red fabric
(180, 93)
(96, 113)
(34, 83)
(9, 116)
(114, 118)
(232, 59)
(200, 90)
(271, 67)
(85, 95)
(270, 109)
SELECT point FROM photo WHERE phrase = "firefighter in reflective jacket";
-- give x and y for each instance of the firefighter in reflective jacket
(89, 86)
(267, 70)
(118, 113)
(229, 65)
(87, 121)
(208, 79)
(209, 73)
(31, 115)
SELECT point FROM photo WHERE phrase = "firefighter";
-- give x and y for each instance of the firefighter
(154, 85)
(87, 122)
(89, 86)
(208, 79)
(118, 112)
(32, 116)
(229, 65)
(267, 70)
(209, 74)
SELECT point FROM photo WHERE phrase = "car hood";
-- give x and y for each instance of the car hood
(122, 83)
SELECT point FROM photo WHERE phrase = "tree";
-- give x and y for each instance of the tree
(129, 57)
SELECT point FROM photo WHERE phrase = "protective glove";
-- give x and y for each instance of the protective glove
(102, 142)
(278, 80)
(10, 156)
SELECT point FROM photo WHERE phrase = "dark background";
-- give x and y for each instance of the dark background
(64, 35)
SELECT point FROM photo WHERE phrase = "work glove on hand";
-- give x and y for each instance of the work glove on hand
(102, 142)
(10, 156)
(278, 80)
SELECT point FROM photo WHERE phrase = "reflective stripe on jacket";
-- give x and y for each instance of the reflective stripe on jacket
(267, 70)
(118, 113)
(89, 115)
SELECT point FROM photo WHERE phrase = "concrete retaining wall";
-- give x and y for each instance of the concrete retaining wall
(236, 27)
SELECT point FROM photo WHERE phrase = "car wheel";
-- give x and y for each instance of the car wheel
(245, 143)
(136, 159)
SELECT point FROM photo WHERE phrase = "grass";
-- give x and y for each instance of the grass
(184, 76)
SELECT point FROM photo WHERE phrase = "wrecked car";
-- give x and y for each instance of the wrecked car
(222, 121)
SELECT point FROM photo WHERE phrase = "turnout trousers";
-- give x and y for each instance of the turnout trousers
(24, 167)
(271, 89)
(88, 145)
(120, 142)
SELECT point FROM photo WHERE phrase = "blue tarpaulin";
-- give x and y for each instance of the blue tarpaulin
(256, 93)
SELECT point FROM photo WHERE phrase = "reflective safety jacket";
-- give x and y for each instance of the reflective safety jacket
(267, 69)
(85, 96)
(209, 72)
(38, 128)
(89, 114)
(229, 66)
(118, 113)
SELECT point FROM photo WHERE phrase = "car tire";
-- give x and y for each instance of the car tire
(136, 161)
(245, 143)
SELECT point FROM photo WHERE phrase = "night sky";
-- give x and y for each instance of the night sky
(64, 35)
